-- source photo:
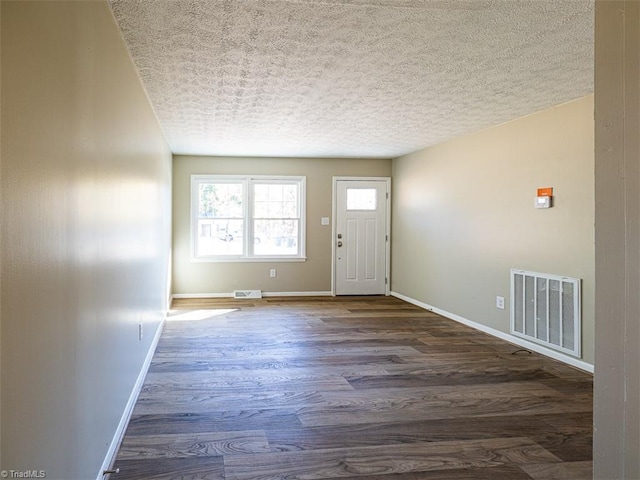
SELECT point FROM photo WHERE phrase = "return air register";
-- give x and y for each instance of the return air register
(546, 309)
(247, 294)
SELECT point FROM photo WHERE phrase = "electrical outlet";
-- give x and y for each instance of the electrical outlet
(140, 332)
(272, 273)
(500, 303)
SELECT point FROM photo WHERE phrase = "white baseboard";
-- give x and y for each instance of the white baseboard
(582, 365)
(296, 294)
(110, 457)
(264, 294)
(202, 295)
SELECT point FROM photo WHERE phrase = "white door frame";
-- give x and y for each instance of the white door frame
(387, 250)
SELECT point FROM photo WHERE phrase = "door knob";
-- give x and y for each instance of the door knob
(339, 244)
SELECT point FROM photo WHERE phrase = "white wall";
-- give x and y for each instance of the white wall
(463, 215)
(85, 189)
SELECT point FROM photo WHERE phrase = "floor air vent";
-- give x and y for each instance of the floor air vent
(546, 309)
(247, 294)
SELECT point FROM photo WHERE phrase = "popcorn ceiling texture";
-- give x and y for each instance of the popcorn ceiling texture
(351, 78)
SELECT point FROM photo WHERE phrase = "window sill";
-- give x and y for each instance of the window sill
(246, 259)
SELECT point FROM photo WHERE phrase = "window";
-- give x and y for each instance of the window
(362, 199)
(241, 218)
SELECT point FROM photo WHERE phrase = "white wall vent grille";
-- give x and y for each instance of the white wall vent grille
(247, 294)
(546, 309)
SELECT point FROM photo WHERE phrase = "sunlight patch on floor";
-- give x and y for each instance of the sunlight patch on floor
(181, 316)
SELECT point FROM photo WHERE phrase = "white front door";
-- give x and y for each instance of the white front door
(360, 243)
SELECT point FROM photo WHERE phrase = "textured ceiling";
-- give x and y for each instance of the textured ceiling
(351, 78)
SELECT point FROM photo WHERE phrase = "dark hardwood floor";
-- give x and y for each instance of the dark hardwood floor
(350, 387)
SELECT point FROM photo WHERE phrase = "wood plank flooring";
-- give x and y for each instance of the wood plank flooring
(350, 388)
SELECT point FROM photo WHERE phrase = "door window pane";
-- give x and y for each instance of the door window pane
(362, 199)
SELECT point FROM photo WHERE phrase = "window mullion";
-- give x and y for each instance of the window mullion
(248, 215)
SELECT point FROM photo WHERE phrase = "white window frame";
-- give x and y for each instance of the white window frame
(248, 182)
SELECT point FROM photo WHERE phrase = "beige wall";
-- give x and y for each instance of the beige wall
(314, 275)
(86, 184)
(463, 215)
(617, 372)
(1, 249)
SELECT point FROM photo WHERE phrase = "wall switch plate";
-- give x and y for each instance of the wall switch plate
(543, 202)
(324, 220)
(500, 303)
(272, 273)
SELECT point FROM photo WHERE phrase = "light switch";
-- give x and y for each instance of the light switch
(324, 220)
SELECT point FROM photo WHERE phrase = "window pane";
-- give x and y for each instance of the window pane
(361, 198)
(220, 224)
(290, 193)
(289, 209)
(220, 200)
(261, 209)
(276, 237)
(275, 209)
(275, 193)
(261, 192)
(220, 237)
(275, 201)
